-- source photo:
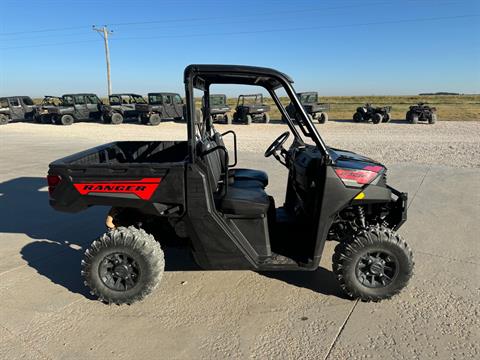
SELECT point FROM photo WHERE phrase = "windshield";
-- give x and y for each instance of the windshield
(27, 101)
(308, 98)
(67, 100)
(251, 99)
(217, 100)
(155, 99)
(138, 99)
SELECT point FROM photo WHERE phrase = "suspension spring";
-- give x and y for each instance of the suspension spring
(361, 216)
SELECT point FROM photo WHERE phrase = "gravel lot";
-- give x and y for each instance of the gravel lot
(47, 313)
(445, 143)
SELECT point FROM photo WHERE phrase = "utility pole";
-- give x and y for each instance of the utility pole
(104, 32)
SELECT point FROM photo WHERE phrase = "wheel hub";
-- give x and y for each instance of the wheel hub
(376, 269)
(119, 271)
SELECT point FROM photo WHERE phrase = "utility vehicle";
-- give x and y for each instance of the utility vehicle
(218, 108)
(16, 108)
(313, 108)
(193, 189)
(368, 112)
(131, 106)
(168, 105)
(421, 112)
(77, 107)
(41, 111)
(251, 108)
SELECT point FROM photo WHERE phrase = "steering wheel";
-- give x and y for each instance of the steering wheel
(277, 144)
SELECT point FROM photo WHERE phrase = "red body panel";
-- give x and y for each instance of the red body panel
(144, 188)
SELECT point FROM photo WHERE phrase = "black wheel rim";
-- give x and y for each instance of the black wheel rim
(376, 269)
(119, 272)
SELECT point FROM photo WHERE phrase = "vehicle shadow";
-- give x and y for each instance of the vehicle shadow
(60, 239)
(321, 281)
(350, 121)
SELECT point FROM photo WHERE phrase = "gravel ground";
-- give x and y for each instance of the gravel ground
(446, 143)
(47, 313)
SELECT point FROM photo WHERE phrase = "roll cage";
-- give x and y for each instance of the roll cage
(200, 77)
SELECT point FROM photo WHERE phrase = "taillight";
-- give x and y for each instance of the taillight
(53, 181)
(356, 177)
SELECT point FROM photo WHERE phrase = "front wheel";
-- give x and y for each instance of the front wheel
(123, 266)
(228, 119)
(323, 118)
(387, 118)
(374, 264)
(66, 120)
(3, 119)
(357, 117)
(377, 118)
(433, 119)
(248, 119)
(266, 118)
(116, 119)
(154, 119)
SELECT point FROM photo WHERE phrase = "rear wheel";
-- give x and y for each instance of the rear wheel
(116, 118)
(374, 264)
(387, 117)
(248, 119)
(67, 120)
(154, 119)
(357, 117)
(3, 119)
(377, 118)
(266, 118)
(123, 266)
(433, 119)
(414, 119)
(323, 118)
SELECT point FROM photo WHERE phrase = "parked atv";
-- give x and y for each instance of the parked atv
(314, 109)
(251, 108)
(16, 108)
(422, 112)
(41, 114)
(130, 106)
(376, 114)
(162, 190)
(77, 107)
(168, 105)
(218, 108)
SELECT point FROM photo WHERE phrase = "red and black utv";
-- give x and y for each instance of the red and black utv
(226, 213)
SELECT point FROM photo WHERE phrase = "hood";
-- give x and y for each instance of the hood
(351, 160)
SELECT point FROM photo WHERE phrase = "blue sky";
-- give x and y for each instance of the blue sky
(336, 47)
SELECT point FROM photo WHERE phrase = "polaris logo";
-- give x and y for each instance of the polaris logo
(143, 189)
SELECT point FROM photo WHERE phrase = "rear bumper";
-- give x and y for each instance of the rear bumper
(399, 207)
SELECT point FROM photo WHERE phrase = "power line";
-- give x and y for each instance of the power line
(400, 21)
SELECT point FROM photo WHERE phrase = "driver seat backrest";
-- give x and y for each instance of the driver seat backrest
(212, 162)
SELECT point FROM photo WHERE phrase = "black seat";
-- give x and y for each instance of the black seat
(245, 197)
(241, 174)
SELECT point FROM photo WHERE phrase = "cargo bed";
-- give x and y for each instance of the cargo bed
(149, 175)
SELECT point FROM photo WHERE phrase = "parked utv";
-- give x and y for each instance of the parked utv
(251, 108)
(77, 107)
(376, 114)
(422, 112)
(41, 114)
(131, 106)
(218, 108)
(168, 105)
(313, 108)
(16, 108)
(192, 189)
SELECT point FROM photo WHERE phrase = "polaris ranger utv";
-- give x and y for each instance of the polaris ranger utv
(314, 109)
(191, 188)
(218, 108)
(168, 105)
(77, 107)
(251, 108)
(376, 114)
(16, 108)
(421, 112)
(131, 106)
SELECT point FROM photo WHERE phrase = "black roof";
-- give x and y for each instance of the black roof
(14, 97)
(125, 94)
(235, 74)
(80, 94)
(162, 93)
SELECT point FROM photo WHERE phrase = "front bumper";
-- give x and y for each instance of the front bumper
(398, 210)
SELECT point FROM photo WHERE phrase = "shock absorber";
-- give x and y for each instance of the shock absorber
(361, 216)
